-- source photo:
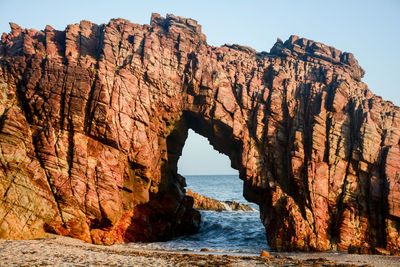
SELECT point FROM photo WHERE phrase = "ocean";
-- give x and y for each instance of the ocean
(226, 231)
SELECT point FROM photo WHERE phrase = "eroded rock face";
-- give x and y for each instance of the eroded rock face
(94, 118)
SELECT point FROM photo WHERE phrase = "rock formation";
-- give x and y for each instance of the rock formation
(201, 202)
(93, 120)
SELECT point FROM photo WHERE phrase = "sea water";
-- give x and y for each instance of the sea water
(226, 231)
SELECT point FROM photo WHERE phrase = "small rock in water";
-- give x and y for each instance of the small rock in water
(265, 254)
(205, 250)
(233, 205)
(206, 203)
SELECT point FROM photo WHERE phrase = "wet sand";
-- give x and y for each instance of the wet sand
(63, 251)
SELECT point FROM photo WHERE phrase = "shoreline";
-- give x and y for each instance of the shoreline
(56, 250)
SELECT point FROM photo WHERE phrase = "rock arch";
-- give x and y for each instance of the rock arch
(94, 118)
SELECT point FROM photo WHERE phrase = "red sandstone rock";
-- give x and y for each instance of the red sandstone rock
(265, 254)
(205, 203)
(93, 120)
(201, 202)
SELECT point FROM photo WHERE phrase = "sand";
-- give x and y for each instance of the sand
(63, 251)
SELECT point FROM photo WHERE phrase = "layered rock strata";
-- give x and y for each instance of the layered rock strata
(93, 120)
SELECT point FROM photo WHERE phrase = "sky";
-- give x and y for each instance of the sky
(368, 29)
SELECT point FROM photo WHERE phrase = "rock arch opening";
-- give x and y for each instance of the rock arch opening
(199, 157)
(179, 217)
(228, 222)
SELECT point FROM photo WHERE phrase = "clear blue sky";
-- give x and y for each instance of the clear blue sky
(369, 29)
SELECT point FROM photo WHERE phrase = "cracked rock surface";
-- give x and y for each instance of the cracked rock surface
(93, 120)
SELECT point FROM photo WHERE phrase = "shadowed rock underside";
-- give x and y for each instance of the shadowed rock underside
(93, 120)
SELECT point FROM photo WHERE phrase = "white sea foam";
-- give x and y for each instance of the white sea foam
(226, 206)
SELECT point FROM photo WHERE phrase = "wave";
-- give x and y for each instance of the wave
(226, 231)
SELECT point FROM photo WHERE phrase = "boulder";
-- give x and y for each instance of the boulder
(205, 203)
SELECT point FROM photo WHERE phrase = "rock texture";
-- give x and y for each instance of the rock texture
(93, 120)
(201, 202)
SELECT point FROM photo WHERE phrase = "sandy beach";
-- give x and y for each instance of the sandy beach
(63, 251)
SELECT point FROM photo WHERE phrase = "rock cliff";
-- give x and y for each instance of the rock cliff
(93, 120)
